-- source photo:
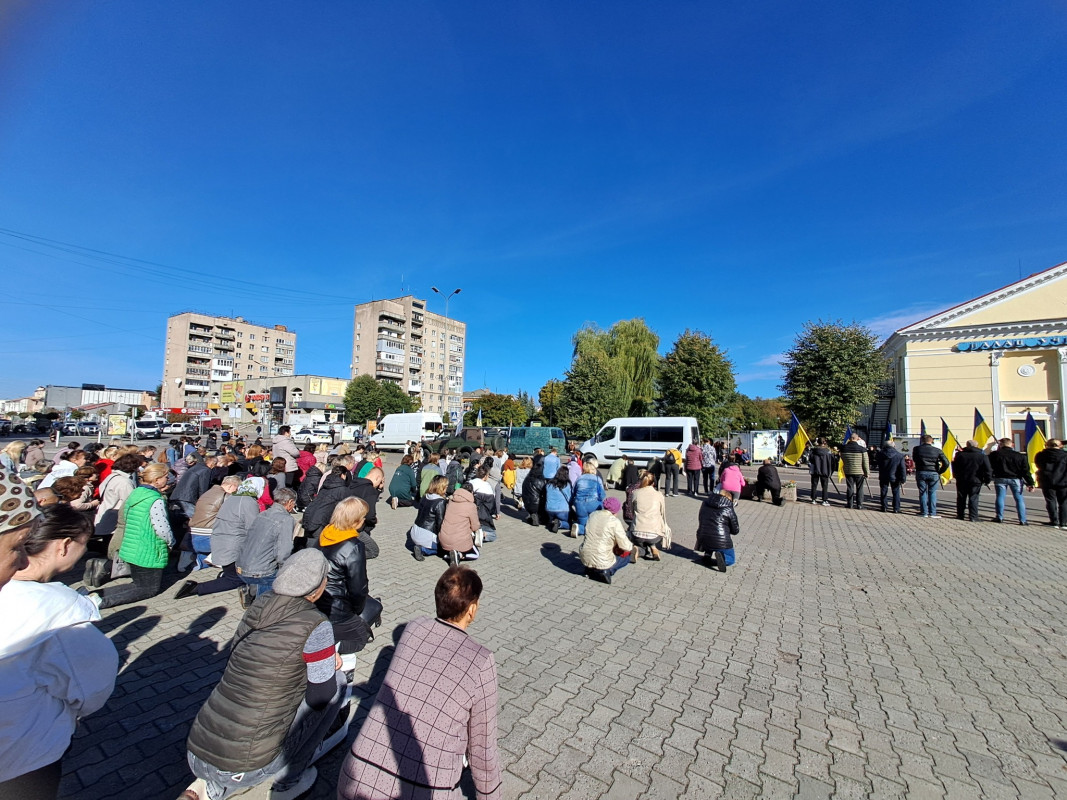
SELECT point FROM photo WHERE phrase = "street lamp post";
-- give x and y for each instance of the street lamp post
(448, 391)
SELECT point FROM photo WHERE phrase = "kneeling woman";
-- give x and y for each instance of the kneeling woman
(456, 540)
(650, 518)
(347, 587)
(146, 540)
(429, 519)
(55, 667)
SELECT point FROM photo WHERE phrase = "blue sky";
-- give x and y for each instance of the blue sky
(737, 168)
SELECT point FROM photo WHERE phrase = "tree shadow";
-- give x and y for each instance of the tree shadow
(568, 562)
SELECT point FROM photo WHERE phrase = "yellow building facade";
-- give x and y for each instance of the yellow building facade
(1004, 353)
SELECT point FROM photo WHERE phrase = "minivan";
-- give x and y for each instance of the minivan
(147, 429)
(396, 430)
(641, 438)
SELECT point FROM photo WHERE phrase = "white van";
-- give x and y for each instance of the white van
(396, 430)
(642, 438)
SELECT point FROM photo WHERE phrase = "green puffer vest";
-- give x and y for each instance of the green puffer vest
(243, 724)
(140, 545)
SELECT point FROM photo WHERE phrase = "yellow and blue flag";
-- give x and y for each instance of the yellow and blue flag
(1035, 441)
(798, 440)
(840, 459)
(949, 446)
(982, 432)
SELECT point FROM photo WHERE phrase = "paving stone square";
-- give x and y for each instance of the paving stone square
(848, 654)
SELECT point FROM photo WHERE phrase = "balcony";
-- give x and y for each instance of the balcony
(388, 370)
(224, 347)
(395, 345)
(197, 372)
(225, 335)
(198, 348)
(414, 386)
(415, 360)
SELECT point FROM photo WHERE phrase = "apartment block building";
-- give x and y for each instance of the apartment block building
(201, 348)
(422, 352)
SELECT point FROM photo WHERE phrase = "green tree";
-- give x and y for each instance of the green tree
(497, 410)
(77, 414)
(589, 396)
(831, 373)
(549, 399)
(696, 379)
(528, 404)
(631, 350)
(757, 413)
(364, 397)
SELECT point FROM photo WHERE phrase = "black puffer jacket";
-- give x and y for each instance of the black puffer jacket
(317, 515)
(346, 577)
(366, 491)
(309, 487)
(431, 513)
(716, 524)
(971, 467)
(486, 505)
(821, 462)
(533, 488)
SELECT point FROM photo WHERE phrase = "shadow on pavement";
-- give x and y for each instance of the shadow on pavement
(568, 562)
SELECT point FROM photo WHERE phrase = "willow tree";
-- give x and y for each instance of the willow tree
(631, 361)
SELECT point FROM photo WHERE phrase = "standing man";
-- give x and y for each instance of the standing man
(892, 474)
(930, 463)
(1052, 478)
(972, 471)
(857, 468)
(283, 446)
(552, 464)
(1010, 471)
(820, 464)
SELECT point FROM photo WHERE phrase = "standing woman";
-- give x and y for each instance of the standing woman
(708, 460)
(146, 541)
(438, 698)
(650, 519)
(55, 667)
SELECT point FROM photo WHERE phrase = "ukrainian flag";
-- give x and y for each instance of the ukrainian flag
(840, 458)
(982, 432)
(949, 446)
(798, 440)
(1035, 441)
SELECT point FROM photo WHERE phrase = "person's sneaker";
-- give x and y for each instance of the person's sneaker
(633, 555)
(1023, 522)
(825, 503)
(934, 516)
(186, 589)
(417, 552)
(997, 519)
(709, 560)
(553, 526)
(303, 783)
(393, 503)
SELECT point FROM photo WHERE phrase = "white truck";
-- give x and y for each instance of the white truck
(641, 438)
(396, 430)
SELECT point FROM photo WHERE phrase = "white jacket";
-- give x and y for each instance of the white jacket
(54, 668)
(114, 491)
(64, 469)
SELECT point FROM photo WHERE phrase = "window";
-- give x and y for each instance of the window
(607, 434)
(357, 348)
(356, 359)
(238, 345)
(357, 337)
(262, 369)
(262, 359)
(240, 334)
(251, 337)
(359, 325)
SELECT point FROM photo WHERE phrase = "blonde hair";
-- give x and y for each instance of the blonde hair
(526, 463)
(322, 448)
(153, 472)
(14, 449)
(111, 452)
(647, 478)
(349, 514)
(589, 468)
(439, 485)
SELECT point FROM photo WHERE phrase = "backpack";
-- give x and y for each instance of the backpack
(669, 459)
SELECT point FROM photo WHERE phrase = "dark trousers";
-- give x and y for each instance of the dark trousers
(291, 479)
(692, 481)
(759, 489)
(229, 579)
(816, 480)
(40, 784)
(1056, 505)
(709, 478)
(670, 479)
(885, 487)
(146, 583)
(967, 500)
(854, 491)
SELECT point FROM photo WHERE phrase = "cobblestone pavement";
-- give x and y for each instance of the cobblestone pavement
(849, 654)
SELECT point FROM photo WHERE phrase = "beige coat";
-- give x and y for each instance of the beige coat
(461, 520)
(603, 533)
(650, 512)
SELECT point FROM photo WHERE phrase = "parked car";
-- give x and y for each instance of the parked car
(88, 428)
(310, 436)
(147, 429)
(69, 429)
(5, 427)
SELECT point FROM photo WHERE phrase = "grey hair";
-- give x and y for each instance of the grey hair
(283, 496)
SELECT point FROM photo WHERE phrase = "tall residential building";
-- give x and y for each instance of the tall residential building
(424, 353)
(201, 349)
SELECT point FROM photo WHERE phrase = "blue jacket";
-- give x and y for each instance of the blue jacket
(551, 466)
(558, 499)
(589, 491)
